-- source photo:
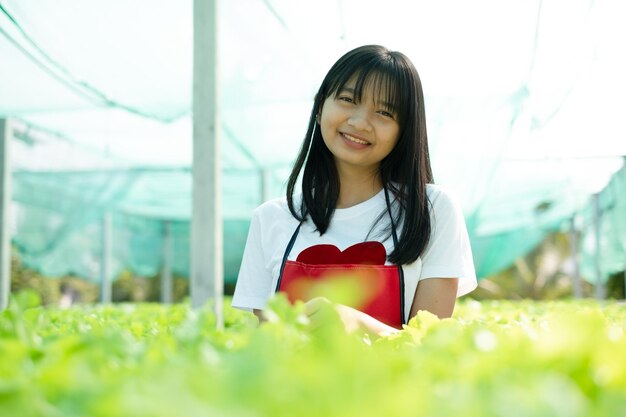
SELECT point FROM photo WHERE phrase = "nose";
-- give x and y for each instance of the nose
(359, 119)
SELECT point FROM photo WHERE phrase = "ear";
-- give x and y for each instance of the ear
(320, 103)
(318, 117)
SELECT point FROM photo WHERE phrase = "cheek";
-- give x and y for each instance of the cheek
(393, 135)
(328, 113)
(329, 120)
(326, 129)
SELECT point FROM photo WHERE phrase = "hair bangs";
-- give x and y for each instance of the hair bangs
(383, 74)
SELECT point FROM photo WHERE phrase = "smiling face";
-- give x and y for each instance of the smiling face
(359, 131)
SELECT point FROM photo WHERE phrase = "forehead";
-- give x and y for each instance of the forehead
(375, 86)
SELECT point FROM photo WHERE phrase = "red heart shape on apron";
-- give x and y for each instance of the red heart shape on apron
(364, 253)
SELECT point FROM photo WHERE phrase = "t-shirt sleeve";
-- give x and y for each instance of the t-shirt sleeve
(448, 253)
(254, 282)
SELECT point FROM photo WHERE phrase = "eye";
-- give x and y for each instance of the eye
(347, 99)
(386, 114)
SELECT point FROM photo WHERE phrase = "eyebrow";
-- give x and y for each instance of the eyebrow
(386, 104)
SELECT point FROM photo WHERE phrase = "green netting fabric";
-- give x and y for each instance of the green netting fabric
(497, 252)
(611, 251)
(529, 199)
(59, 224)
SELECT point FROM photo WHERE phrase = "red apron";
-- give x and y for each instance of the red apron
(359, 271)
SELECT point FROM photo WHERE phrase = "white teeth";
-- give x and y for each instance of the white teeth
(355, 140)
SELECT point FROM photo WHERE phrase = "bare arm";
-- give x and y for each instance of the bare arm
(259, 314)
(436, 295)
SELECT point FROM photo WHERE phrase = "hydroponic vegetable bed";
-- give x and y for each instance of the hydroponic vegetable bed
(492, 359)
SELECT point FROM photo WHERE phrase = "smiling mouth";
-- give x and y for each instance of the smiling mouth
(354, 139)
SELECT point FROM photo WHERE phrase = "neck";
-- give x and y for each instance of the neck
(357, 187)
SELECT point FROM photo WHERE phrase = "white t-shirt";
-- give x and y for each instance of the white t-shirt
(448, 254)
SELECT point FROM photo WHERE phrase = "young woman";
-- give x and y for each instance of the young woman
(368, 210)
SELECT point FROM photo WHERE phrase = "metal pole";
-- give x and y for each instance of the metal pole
(105, 260)
(600, 290)
(265, 184)
(6, 136)
(207, 267)
(166, 271)
(576, 283)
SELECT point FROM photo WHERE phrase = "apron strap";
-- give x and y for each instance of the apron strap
(395, 245)
(286, 254)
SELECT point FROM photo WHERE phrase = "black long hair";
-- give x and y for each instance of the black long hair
(404, 172)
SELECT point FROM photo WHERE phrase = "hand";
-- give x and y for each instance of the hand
(352, 319)
(319, 309)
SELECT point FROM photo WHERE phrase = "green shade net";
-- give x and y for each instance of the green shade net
(609, 251)
(60, 220)
(524, 102)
